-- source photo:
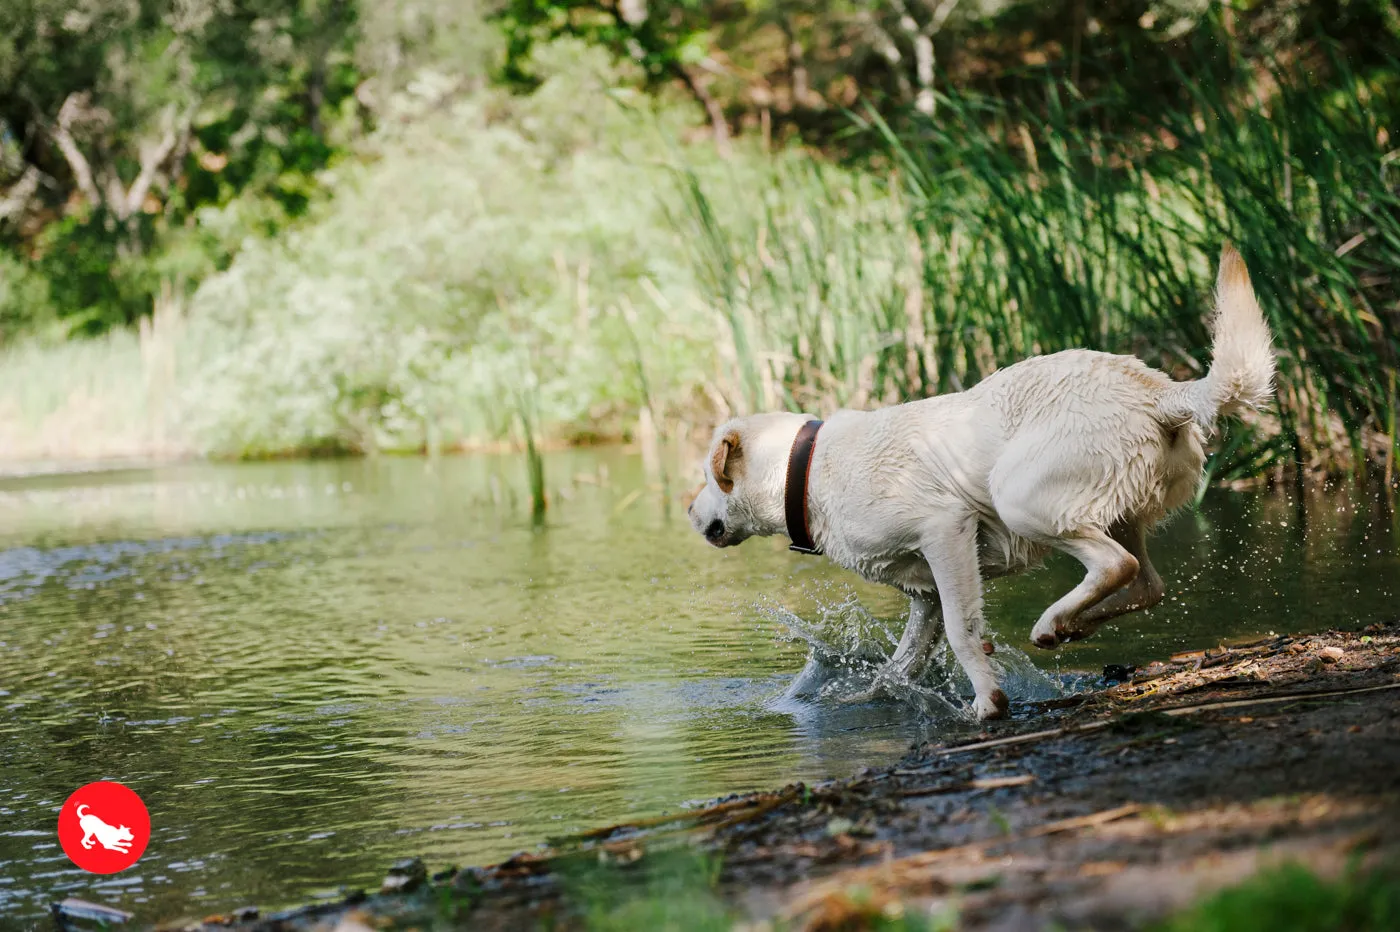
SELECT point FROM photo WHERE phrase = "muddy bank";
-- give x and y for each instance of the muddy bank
(1104, 811)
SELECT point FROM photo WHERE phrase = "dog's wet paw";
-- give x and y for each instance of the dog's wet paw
(993, 705)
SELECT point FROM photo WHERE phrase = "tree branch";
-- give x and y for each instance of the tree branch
(719, 124)
(922, 40)
(152, 158)
(63, 138)
(888, 50)
(17, 198)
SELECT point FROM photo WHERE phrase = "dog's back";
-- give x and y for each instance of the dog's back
(1085, 430)
(1093, 439)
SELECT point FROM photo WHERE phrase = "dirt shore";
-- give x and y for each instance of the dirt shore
(1106, 810)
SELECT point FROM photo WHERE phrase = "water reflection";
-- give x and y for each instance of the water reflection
(310, 669)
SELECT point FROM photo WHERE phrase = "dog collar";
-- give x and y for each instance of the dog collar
(795, 497)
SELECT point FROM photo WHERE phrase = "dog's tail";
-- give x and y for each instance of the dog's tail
(1241, 373)
(81, 807)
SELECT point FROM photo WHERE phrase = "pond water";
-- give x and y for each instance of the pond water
(310, 669)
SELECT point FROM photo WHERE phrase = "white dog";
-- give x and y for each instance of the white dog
(111, 837)
(1076, 451)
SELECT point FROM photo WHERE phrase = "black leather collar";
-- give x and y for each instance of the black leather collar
(795, 496)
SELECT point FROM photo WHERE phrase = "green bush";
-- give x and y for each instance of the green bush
(484, 252)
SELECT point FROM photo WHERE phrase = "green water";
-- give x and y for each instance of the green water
(310, 669)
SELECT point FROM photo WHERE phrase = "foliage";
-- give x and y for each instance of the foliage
(795, 64)
(477, 261)
(120, 120)
(554, 264)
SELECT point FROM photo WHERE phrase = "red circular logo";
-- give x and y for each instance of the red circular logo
(104, 827)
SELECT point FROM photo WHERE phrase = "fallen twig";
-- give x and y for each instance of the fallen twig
(983, 783)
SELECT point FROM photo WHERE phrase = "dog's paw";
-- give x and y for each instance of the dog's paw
(1048, 635)
(993, 705)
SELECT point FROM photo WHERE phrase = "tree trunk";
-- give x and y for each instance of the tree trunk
(797, 64)
(699, 86)
(77, 162)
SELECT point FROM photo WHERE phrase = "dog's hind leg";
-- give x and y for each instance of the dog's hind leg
(1109, 567)
(1144, 591)
(920, 633)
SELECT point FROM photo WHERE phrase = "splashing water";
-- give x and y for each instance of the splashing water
(848, 648)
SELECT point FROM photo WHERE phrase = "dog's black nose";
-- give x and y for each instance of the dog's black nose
(715, 531)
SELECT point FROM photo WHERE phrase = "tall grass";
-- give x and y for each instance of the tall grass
(114, 397)
(658, 289)
(1016, 228)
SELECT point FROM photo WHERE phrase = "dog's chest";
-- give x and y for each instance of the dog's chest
(999, 553)
(904, 569)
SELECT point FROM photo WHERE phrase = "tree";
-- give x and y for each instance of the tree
(119, 117)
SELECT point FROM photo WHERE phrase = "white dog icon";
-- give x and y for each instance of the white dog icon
(113, 838)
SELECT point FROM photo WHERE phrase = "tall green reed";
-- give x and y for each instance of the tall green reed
(1011, 228)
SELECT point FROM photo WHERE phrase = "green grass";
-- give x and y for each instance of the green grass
(677, 891)
(665, 890)
(1293, 899)
(105, 398)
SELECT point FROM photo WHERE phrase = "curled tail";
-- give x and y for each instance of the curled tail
(81, 807)
(1241, 373)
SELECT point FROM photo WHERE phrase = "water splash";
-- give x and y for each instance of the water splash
(848, 648)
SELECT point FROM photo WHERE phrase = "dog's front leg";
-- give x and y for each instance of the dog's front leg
(950, 546)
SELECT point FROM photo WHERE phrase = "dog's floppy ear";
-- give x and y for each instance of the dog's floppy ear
(725, 461)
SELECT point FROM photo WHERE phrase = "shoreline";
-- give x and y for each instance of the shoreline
(1108, 809)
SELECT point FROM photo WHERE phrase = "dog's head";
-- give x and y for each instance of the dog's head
(745, 475)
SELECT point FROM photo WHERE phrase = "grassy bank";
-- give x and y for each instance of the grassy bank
(557, 260)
